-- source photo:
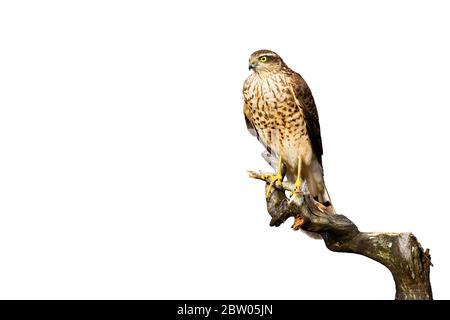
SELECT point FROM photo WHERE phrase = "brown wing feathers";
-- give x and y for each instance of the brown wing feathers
(304, 95)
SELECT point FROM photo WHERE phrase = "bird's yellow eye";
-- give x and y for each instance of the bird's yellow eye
(263, 59)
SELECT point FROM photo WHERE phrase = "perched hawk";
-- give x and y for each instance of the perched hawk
(280, 111)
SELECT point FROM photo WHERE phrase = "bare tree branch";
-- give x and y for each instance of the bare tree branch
(401, 253)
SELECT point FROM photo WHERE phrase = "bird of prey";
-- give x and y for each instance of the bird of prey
(280, 111)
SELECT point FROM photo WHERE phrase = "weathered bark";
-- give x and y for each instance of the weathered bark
(401, 253)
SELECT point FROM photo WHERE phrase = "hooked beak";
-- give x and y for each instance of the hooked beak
(252, 66)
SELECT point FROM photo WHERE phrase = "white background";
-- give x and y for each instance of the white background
(123, 148)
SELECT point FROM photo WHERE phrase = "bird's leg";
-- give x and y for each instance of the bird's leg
(274, 178)
(298, 181)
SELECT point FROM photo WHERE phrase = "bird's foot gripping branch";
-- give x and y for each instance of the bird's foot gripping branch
(401, 253)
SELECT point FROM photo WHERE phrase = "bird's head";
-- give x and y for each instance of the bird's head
(265, 61)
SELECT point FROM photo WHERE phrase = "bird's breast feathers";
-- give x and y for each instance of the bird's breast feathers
(272, 108)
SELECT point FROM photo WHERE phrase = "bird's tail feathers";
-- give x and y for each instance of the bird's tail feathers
(324, 198)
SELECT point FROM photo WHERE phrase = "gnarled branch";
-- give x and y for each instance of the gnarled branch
(401, 253)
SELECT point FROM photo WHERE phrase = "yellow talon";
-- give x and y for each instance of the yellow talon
(298, 181)
(298, 186)
(274, 178)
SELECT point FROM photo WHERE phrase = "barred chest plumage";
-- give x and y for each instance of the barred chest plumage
(277, 118)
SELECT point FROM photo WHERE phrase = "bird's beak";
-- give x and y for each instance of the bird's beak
(251, 66)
